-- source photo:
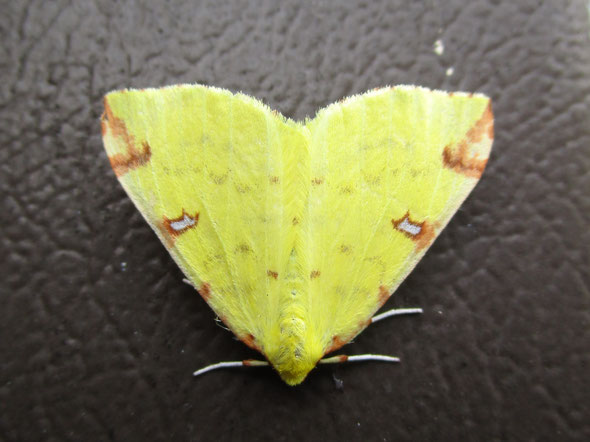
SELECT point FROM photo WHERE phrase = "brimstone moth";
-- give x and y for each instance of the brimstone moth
(296, 233)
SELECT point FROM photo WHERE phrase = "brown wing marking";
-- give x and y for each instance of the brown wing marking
(205, 291)
(421, 233)
(135, 157)
(460, 158)
(250, 341)
(171, 228)
(339, 341)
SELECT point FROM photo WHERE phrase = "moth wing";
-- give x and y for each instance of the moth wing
(389, 168)
(206, 168)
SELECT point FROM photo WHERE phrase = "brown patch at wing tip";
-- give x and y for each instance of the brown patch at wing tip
(422, 233)
(459, 158)
(205, 291)
(122, 164)
(475, 134)
(272, 274)
(295, 221)
(460, 162)
(134, 158)
(315, 274)
(250, 341)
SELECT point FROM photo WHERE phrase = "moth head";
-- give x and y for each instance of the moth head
(294, 358)
(293, 370)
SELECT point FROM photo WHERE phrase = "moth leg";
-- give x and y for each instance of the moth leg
(244, 363)
(358, 358)
(186, 281)
(395, 312)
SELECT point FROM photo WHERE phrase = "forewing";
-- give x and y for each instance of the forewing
(206, 168)
(389, 168)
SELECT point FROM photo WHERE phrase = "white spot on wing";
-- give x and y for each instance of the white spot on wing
(184, 223)
(407, 226)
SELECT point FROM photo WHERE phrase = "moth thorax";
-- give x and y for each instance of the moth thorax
(292, 328)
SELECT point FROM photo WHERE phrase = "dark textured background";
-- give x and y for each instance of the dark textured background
(99, 336)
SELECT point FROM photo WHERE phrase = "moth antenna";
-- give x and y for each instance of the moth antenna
(244, 363)
(396, 312)
(358, 358)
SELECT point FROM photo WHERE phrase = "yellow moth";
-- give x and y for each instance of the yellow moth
(296, 233)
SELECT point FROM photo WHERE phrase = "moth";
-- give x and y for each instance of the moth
(296, 233)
